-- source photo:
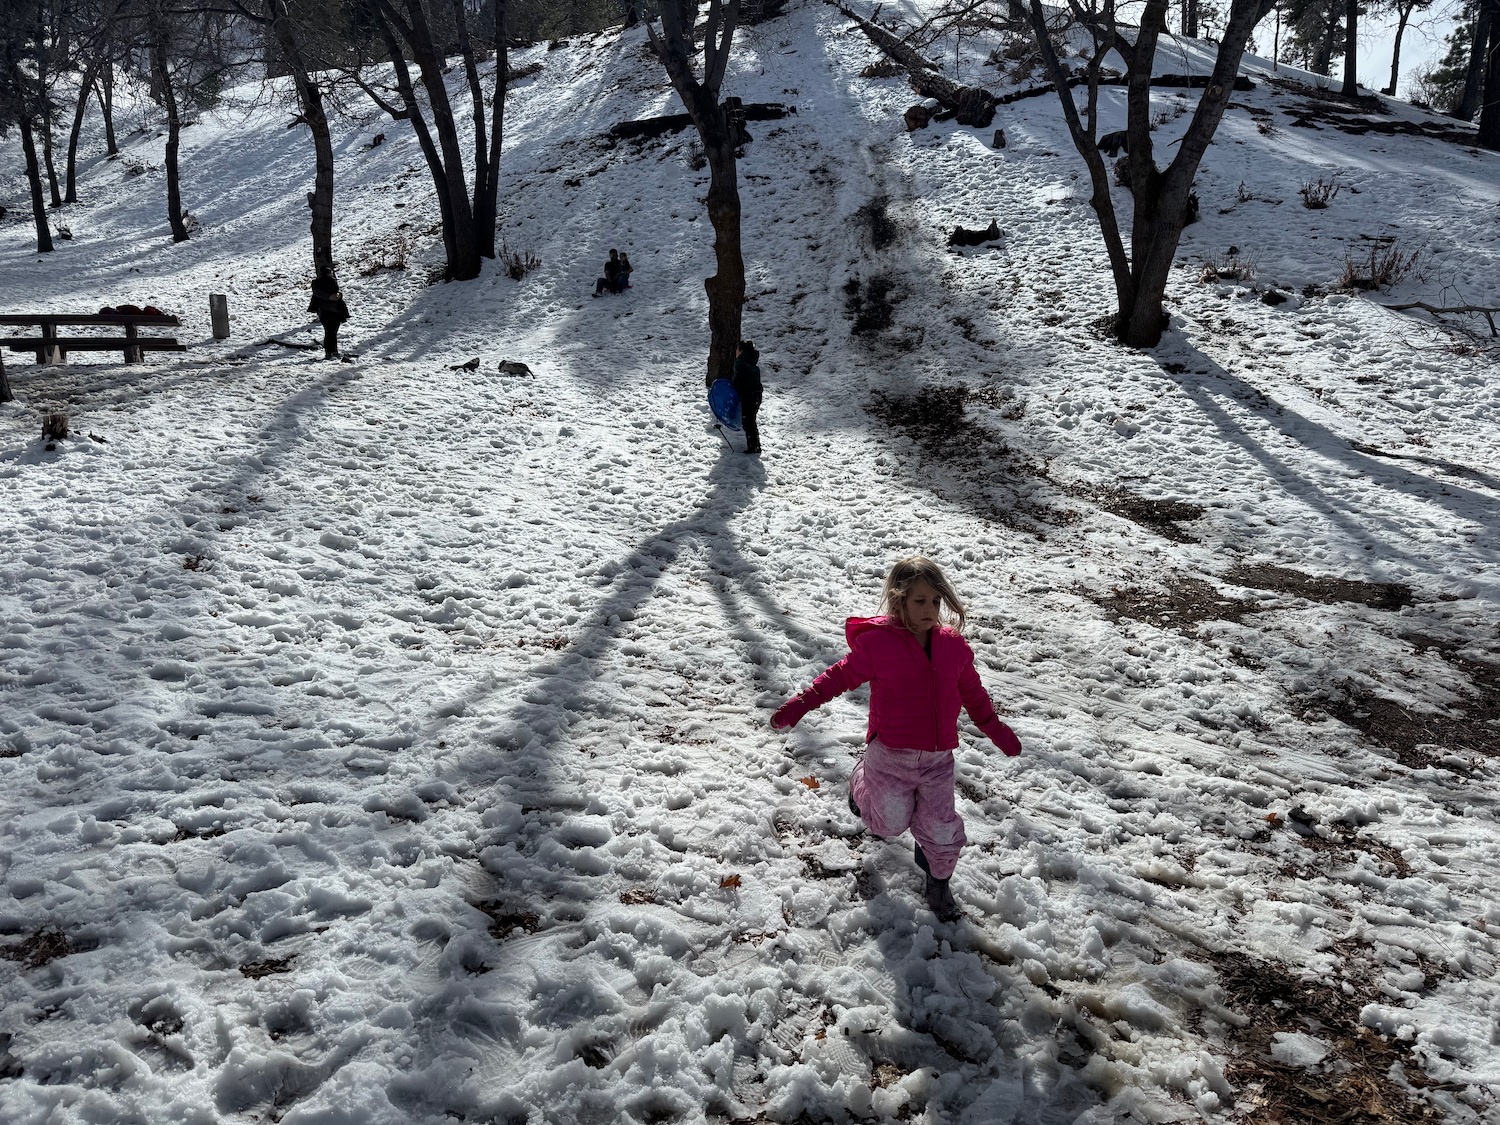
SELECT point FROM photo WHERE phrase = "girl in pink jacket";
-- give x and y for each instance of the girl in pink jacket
(920, 671)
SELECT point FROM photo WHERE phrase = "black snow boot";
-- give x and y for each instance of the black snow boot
(853, 807)
(922, 861)
(940, 897)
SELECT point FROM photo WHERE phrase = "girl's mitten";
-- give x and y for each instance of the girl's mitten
(1002, 736)
(790, 713)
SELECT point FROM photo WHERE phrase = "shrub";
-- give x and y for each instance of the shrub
(1386, 264)
(393, 254)
(1317, 193)
(1230, 267)
(518, 263)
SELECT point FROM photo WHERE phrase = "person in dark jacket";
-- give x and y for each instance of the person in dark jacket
(610, 282)
(748, 386)
(328, 302)
(622, 275)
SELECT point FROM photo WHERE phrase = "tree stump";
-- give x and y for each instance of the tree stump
(963, 236)
(54, 427)
(917, 117)
(218, 313)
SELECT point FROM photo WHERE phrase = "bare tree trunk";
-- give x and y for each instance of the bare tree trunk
(675, 47)
(1403, 14)
(34, 177)
(1190, 18)
(44, 108)
(726, 288)
(1161, 199)
(1351, 48)
(1322, 60)
(476, 95)
(1489, 113)
(1085, 140)
(448, 168)
(1479, 47)
(85, 88)
(424, 139)
(486, 205)
(106, 91)
(174, 130)
(310, 97)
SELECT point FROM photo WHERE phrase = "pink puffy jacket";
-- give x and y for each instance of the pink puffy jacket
(914, 701)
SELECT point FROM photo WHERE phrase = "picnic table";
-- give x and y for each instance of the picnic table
(52, 348)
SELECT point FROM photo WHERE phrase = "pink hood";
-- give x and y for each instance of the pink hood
(914, 700)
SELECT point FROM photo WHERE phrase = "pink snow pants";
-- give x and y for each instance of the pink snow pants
(900, 789)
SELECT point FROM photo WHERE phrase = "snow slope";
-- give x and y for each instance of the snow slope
(388, 743)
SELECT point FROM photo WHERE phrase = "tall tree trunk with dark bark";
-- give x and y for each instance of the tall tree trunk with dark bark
(1489, 112)
(1351, 48)
(85, 88)
(163, 77)
(310, 98)
(440, 144)
(1404, 10)
(486, 202)
(675, 47)
(1479, 49)
(106, 90)
(34, 177)
(1160, 198)
(44, 107)
(1190, 18)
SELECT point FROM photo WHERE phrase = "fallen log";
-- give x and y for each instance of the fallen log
(1483, 310)
(970, 105)
(677, 122)
(1183, 81)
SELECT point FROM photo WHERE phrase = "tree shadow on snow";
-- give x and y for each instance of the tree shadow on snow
(1214, 392)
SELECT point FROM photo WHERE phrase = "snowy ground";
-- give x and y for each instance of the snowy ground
(383, 742)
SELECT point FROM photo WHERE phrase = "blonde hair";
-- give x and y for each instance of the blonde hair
(907, 573)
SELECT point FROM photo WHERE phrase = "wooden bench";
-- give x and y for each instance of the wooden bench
(52, 348)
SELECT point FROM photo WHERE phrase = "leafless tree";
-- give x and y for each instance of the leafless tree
(677, 49)
(21, 95)
(419, 30)
(1161, 198)
(94, 41)
(1404, 10)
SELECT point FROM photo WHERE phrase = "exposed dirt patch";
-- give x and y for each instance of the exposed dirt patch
(1321, 589)
(255, 970)
(1418, 738)
(1182, 605)
(992, 480)
(878, 224)
(505, 920)
(1351, 1086)
(1162, 516)
(1339, 846)
(869, 304)
(41, 948)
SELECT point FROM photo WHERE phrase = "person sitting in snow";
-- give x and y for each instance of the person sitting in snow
(920, 671)
(622, 275)
(610, 281)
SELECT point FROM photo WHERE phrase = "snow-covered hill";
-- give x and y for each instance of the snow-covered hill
(385, 742)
